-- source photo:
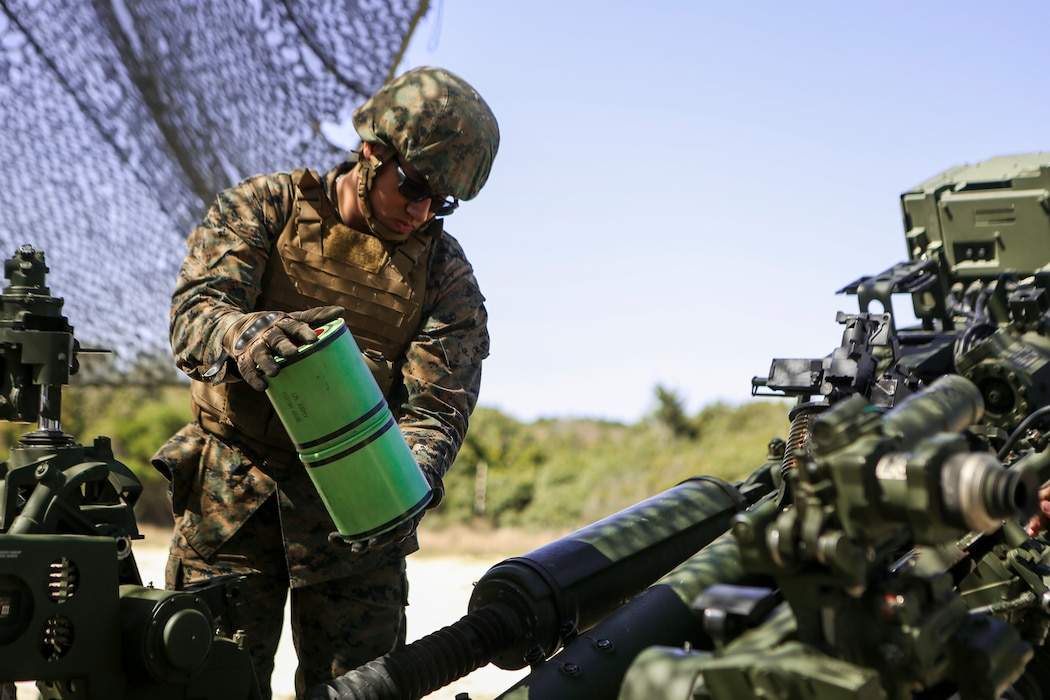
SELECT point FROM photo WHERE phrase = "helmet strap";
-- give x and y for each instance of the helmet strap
(366, 173)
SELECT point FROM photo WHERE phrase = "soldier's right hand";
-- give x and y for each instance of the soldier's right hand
(258, 338)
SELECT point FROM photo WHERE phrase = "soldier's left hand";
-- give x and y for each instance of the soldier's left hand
(400, 533)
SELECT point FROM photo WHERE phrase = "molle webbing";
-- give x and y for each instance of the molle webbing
(218, 408)
(383, 298)
(321, 261)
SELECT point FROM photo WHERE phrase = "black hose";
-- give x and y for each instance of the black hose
(1019, 432)
(426, 664)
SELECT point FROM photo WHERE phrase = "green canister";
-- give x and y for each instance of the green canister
(345, 434)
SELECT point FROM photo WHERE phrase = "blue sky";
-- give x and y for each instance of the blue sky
(682, 187)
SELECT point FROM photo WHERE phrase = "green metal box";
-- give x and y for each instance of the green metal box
(986, 218)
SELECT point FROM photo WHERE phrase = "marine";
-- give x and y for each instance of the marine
(275, 257)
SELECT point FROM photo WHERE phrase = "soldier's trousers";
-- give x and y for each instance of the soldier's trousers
(336, 625)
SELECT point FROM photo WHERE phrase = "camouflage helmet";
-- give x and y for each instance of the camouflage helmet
(439, 124)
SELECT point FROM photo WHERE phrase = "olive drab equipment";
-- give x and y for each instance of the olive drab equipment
(74, 614)
(879, 552)
(985, 218)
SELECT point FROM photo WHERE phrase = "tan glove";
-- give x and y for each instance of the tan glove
(259, 337)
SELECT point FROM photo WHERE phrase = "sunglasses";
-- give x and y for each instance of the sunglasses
(416, 192)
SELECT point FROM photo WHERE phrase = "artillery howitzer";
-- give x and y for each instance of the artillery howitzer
(878, 552)
(881, 550)
(74, 615)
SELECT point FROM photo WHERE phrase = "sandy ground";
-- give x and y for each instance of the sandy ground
(439, 589)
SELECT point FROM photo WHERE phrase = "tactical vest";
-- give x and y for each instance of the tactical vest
(318, 261)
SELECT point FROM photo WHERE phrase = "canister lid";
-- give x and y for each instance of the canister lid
(326, 335)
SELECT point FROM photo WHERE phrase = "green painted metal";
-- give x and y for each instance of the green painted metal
(357, 458)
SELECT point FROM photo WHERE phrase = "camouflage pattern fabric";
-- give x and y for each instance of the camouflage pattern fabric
(217, 487)
(248, 508)
(336, 626)
(439, 124)
(220, 281)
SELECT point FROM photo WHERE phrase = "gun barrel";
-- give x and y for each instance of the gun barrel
(524, 608)
(594, 665)
(950, 404)
(568, 585)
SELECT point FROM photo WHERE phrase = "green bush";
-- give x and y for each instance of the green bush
(137, 419)
(549, 474)
(566, 473)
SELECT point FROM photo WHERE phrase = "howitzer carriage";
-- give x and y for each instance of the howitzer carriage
(879, 552)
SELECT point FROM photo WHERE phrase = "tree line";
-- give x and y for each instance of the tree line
(551, 473)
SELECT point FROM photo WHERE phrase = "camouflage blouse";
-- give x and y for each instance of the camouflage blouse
(221, 277)
(218, 483)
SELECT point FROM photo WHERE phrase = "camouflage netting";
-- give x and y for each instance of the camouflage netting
(120, 120)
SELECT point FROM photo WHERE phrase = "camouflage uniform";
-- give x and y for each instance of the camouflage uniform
(243, 505)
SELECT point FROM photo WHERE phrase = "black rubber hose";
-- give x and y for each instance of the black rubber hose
(427, 664)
